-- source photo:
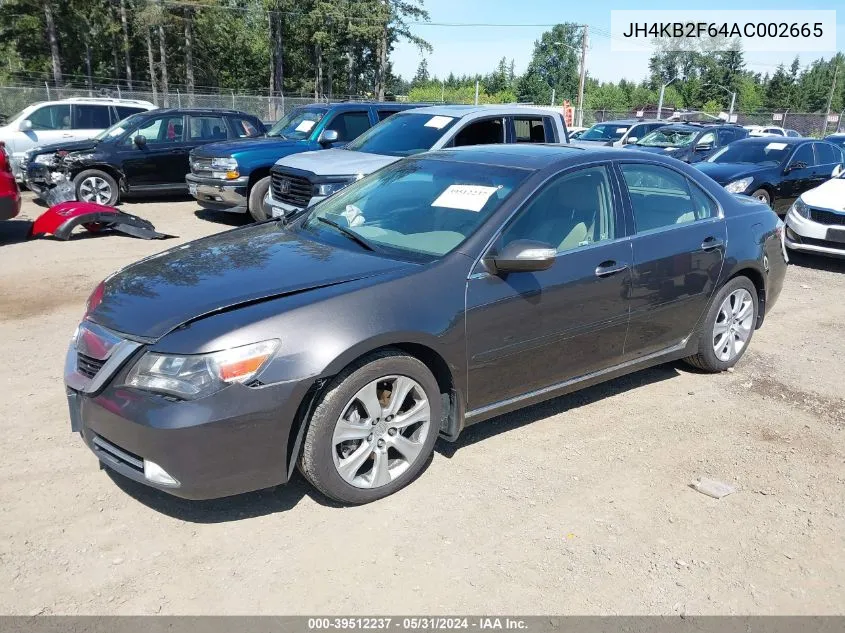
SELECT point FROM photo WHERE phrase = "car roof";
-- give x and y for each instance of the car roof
(351, 105)
(625, 122)
(493, 109)
(161, 111)
(786, 140)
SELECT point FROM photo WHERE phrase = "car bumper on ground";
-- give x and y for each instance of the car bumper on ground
(803, 234)
(219, 195)
(230, 442)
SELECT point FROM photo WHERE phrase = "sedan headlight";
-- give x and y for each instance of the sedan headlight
(79, 157)
(738, 186)
(43, 159)
(195, 376)
(801, 208)
(324, 189)
(225, 168)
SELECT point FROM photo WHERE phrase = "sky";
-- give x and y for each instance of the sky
(472, 50)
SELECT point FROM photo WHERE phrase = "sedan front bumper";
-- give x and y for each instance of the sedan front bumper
(803, 234)
(219, 195)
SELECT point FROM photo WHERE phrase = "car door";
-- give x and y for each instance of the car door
(50, 124)
(90, 119)
(798, 177)
(528, 330)
(828, 157)
(678, 252)
(349, 125)
(157, 162)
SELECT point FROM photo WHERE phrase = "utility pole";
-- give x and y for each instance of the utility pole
(580, 121)
(830, 98)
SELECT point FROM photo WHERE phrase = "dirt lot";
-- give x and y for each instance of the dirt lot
(578, 505)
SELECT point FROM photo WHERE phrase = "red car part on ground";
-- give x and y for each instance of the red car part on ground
(10, 197)
(60, 220)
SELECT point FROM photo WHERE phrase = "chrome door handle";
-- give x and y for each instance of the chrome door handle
(606, 269)
(711, 244)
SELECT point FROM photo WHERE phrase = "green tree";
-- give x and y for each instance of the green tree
(553, 66)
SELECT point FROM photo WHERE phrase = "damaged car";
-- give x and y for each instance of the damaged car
(143, 154)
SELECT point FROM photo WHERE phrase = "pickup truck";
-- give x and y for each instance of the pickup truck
(235, 176)
(303, 179)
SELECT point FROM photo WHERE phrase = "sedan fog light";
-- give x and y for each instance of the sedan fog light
(156, 474)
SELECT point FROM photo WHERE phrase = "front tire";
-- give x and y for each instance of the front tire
(255, 204)
(373, 430)
(728, 326)
(763, 196)
(94, 185)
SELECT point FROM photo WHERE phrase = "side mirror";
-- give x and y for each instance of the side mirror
(140, 141)
(26, 125)
(799, 164)
(631, 139)
(328, 136)
(837, 171)
(522, 256)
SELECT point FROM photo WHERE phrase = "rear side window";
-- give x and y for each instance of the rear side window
(484, 132)
(243, 127)
(661, 197)
(350, 125)
(530, 130)
(207, 128)
(124, 111)
(826, 154)
(383, 114)
(52, 117)
(726, 136)
(91, 117)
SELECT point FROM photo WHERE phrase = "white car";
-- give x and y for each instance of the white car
(815, 222)
(51, 122)
(767, 130)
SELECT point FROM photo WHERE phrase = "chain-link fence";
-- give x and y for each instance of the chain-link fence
(805, 123)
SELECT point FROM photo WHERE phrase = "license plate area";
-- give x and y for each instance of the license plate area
(836, 235)
(192, 189)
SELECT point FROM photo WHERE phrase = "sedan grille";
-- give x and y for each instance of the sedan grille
(827, 217)
(289, 189)
(88, 366)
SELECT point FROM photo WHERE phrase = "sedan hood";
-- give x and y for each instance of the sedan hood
(229, 148)
(157, 294)
(724, 173)
(69, 146)
(337, 162)
(828, 195)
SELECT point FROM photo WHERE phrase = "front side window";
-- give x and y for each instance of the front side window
(804, 154)
(419, 209)
(383, 114)
(530, 130)
(159, 130)
(403, 134)
(349, 125)
(207, 128)
(661, 197)
(244, 127)
(52, 117)
(91, 117)
(572, 211)
(726, 136)
(297, 124)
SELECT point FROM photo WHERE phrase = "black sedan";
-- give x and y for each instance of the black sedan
(775, 170)
(438, 292)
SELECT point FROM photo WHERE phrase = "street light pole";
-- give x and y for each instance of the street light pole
(583, 76)
(660, 101)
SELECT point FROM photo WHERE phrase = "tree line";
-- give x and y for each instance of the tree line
(330, 48)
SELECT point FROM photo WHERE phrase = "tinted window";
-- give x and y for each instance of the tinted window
(572, 211)
(421, 208)
(298, 123)
(484, 132)
(404, 134)
(530, 130)
(661, 197)
(91, 117)
(244, 127)
(350, 125)
(383, 114)
(726, 136)
(207, 128)
(826, 154)
(54, 117)
(753, 153)
(159, 130)
(124, 111)
(804, 154)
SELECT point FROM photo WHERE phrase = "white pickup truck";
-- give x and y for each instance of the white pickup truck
(301, 180)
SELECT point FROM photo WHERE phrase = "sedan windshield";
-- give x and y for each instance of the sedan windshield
(120, 127)
(604, 132)
(418, 209)
(773, 153)
(403, 134)
(663, 137)
(297, 124)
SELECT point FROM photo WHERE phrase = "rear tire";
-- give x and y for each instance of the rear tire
(256, 200)
(94, 185)
(727, 328)
(763, 196)
(374, 428)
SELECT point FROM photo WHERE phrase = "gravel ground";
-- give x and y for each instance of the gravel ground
(578, 505)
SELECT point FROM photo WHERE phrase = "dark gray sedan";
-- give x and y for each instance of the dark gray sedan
(438, 292)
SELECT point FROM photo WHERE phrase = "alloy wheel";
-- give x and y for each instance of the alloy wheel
(733, 326)
(381, 431)
(95, 189)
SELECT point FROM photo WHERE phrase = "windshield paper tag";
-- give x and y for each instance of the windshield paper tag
(438, 122)
(621, 130)
(465, 197)
(775, 146)
(305, 126)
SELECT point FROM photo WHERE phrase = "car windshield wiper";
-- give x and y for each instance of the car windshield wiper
(352, 235)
